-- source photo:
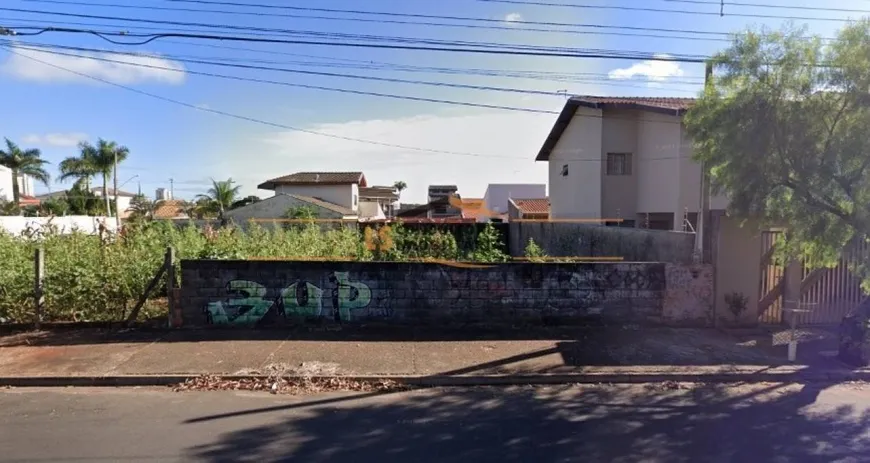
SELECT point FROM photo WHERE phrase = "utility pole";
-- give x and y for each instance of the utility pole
(704, 211)
(115, 181)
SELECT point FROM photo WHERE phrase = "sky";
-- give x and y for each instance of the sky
(207, 131)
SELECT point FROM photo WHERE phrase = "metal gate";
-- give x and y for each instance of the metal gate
(830, 293)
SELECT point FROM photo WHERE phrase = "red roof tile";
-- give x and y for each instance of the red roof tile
(533, 206)
(315, 178)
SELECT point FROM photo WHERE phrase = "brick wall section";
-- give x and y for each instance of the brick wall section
(245, 293)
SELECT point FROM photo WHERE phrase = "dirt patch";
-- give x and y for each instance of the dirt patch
(288, 385)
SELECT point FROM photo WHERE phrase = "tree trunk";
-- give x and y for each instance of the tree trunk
(106, 194)
(16, 193)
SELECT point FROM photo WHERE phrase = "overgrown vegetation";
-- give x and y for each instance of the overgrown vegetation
(534, 253)
(93, 278)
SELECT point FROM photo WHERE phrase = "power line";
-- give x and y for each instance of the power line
(298, 129)
(333, 35)
(297, 85)
(662, 10)
(374, 65)
(267, 81)
(602, 54)
(314, 73)
(763, 5)
(256, 120)
(513, 26)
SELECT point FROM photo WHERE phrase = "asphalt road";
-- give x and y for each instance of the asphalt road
(766, 422)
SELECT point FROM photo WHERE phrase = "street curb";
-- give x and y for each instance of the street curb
(446, 381)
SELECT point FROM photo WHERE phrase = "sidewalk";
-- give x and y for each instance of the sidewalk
(593, 354)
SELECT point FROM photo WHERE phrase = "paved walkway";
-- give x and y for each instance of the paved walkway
(368, 352)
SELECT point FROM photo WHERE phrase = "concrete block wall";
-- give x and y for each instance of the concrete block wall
(257, 293)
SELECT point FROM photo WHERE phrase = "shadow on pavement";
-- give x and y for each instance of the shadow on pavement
(710, 423)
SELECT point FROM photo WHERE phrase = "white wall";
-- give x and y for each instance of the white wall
(658, 165)
(25, 184)
(337, 194)
(579, 194)
(497, 194)
(17, 224)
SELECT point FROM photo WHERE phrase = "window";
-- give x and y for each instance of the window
(354, 200)
(618, 163)
(564, 170)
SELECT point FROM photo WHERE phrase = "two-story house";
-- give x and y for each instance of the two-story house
(631, 159)
(624, 158)
(330, 195)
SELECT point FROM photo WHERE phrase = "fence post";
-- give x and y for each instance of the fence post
(38, 290)
(169, 265)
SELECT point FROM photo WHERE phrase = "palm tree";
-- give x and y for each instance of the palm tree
(95, 160)
(23, 162)
(221, 195)
(399, 186)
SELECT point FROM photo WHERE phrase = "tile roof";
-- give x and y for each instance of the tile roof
(378, 192)
(169, 209)
(672, 106)
(315, 178)
(533, 205)
(24, 200)
(324, 204)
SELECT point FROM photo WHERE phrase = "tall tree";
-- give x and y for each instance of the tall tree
(400, 186)
(783, 131)
(23, 162)
(221, 195)
(94, 160)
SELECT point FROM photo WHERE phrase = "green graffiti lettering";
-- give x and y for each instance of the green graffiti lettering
(351, 295)
(246, 309)
(302, 299)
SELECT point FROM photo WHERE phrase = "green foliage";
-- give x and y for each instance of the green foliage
(219, 198)
(783, 132)
(83, 201)
(141, 208)
(301, 213)
(534, 252)
(93, 160)
(489, 246)
(54, 206)
(23, 161)
(92, 280)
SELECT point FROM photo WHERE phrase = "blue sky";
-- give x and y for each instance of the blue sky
(54, 109)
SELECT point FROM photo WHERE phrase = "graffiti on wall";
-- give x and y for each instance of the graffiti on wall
(247, 303)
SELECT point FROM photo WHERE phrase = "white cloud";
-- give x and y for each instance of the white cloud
(654, 71)
(514, 135)
(55, 139)
(513, 17)
(26, 69)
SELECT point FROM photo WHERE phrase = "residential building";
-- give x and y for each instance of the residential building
(124, 199)
(278, 206)
(438, 193)
(385, 196)
(424, 212)
(162, 194)
(528, 209)
(498, 195)
(170, 209)
(624, 158)
(25, 184)
(331, 194)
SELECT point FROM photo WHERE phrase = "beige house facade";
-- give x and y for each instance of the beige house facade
(631, 159)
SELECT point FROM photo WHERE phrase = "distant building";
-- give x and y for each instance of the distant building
(25, 184)
(439, 196)
(162, 194)
(498, 195)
